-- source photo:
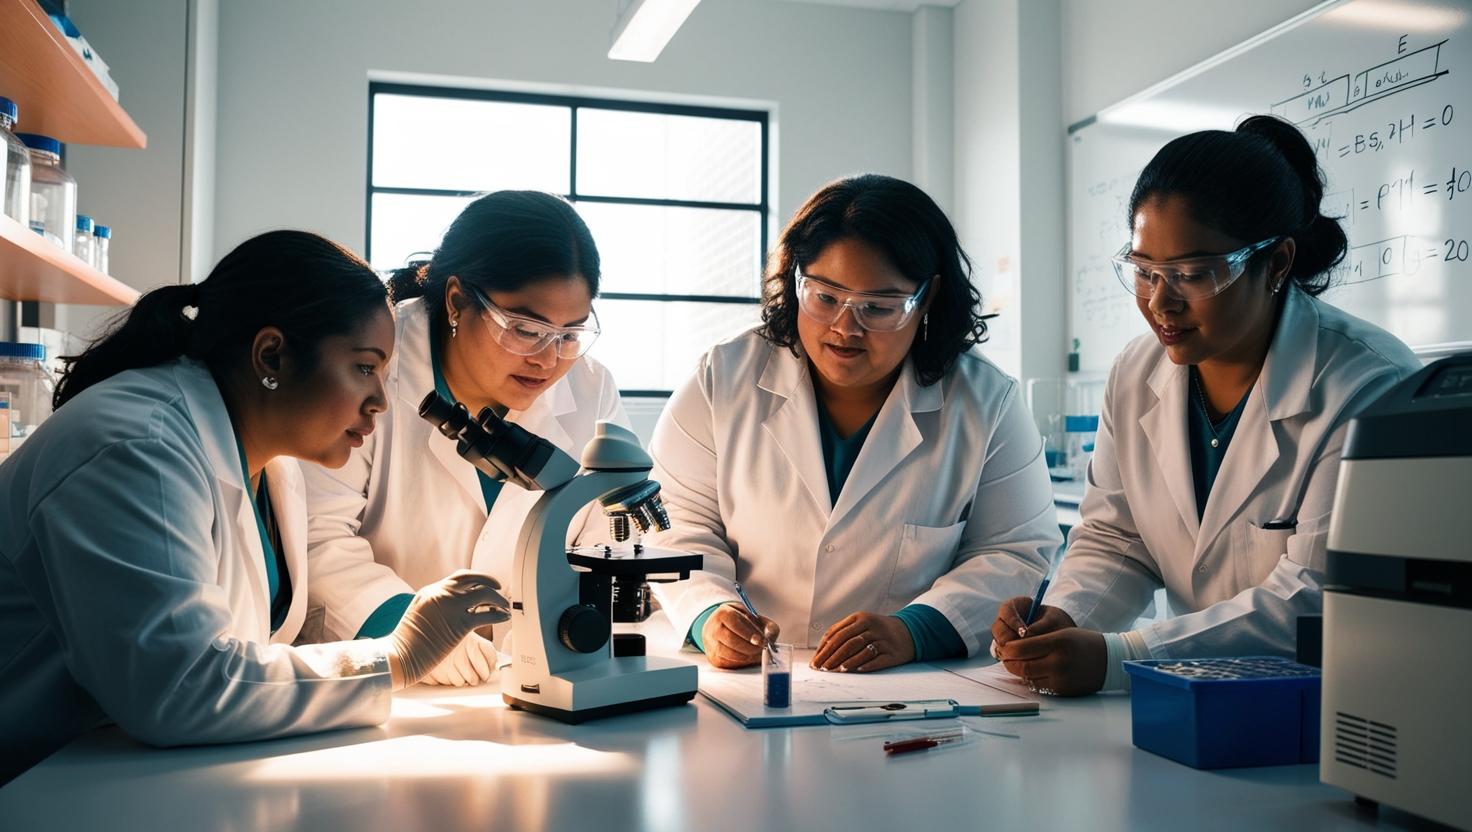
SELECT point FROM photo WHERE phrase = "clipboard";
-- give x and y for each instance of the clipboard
(914, 691)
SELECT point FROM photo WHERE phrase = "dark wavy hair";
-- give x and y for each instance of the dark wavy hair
(502, 242)
(905, 224)
(305, 285)
(1259, 181)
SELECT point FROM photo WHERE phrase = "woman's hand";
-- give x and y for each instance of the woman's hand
(734, 639)
(1067, 662)
(1008, 626)
(865, 642)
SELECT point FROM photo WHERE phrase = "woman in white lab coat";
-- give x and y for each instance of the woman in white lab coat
(152, 560)
(500, 317)
(874, 486)
(1214, 470)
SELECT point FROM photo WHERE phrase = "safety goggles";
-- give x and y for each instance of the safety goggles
(824, 303)
(1193, 278)
(521, 335)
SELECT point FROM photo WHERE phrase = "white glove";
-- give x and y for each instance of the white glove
(438, 619)
(473, 662)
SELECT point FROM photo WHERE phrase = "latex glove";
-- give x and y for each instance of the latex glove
(864, 642)
(1008, 625)
(438, 619)
(734, 639)
(473, 662)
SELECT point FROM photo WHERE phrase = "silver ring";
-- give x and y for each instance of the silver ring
(873, 651)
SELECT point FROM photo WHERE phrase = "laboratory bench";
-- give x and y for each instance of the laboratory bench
(453, 759)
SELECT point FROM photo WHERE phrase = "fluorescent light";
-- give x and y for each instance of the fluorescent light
(645, 26)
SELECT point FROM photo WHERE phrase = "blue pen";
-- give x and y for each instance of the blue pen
(741, 593)
(1032, 611)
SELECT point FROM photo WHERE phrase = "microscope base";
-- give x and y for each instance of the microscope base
(577, 717)
(616, 685)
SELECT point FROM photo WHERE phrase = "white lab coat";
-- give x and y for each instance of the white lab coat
(1235, 586)
(948, 503)
(407, 510)
(133, 582)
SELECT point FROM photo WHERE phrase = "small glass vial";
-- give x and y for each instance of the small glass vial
(777, 675)
(53, 190)
(101, 242)
(16, 202)
(82, 244)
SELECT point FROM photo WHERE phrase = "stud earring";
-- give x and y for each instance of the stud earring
(270, 383)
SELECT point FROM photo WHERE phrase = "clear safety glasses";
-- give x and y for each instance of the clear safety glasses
(824, 303)
(520, 335)
(1194, 278)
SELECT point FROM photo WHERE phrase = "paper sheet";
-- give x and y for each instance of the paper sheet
(740, 691)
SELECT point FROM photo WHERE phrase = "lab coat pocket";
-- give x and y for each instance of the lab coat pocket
(1258, 552)
(926, 553)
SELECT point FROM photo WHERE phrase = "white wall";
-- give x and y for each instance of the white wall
(293, 88)
(1115, 49)
(1024, 71)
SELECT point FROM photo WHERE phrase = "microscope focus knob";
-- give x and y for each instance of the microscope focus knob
(583, 629)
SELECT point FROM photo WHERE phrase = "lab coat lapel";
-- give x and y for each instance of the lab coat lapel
(217, 436)
(892, 438)
(413, 380)
(1281, 391)
(1164, 426)
(288, 504)
(793, 426)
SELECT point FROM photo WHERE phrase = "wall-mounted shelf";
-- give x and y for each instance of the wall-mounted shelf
(57, 94)
(32, 268)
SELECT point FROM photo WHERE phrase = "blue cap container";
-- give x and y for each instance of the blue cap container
(1226, 713)
(101, 231)
(35, 141)
(84, 223)
(13, 349)
(9, 110)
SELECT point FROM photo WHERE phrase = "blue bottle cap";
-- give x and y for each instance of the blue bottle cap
(101, 231)
(9, 110)
(12, 349)
(84, 223)
(45, 144)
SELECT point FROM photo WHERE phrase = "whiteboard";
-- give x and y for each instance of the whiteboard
(1383, 90)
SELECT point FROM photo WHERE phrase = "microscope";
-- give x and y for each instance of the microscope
(566, 663)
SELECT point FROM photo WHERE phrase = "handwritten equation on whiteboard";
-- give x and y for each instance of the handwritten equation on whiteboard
(1389, 115)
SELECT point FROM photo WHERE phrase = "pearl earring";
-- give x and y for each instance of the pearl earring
(454, 329)
(270, 383)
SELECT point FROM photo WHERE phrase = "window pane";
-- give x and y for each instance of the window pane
(668, 157)
(403, 225)
(455, 144)
(683, 251)
(653, 345)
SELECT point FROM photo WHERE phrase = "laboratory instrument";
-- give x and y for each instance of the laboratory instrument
(777, 675)
(82, 244)
(25, 393)
(563, 662)
(101, 244)
(1398, 600)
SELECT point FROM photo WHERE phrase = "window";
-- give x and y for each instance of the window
(675, 197)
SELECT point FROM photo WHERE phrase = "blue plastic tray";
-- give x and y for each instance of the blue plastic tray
(1226, 713)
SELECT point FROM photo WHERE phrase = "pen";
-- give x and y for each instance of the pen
(746, 601)
(923, 742)
(1032, 611)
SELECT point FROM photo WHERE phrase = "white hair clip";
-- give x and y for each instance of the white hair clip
(190, 312)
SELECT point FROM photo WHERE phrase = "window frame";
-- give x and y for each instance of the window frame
(762, 208)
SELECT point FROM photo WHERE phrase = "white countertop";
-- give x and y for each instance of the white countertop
(459, 759)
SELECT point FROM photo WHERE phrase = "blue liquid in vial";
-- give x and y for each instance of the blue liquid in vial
(779, 690)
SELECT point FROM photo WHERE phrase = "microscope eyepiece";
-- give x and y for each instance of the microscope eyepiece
(449, 417)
